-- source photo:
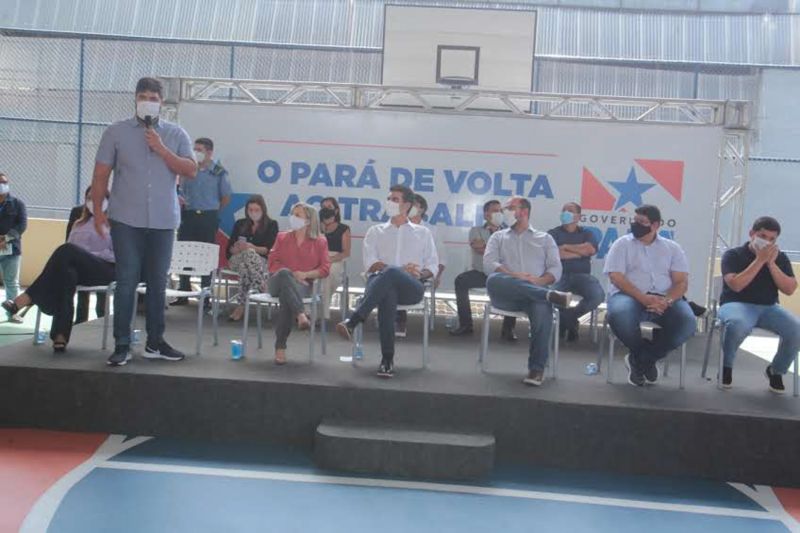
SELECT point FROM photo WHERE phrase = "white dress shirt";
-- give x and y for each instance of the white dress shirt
(532, 251)
(398, 246)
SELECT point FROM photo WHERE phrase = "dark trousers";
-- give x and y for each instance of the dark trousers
(53, 291)
(386, 290)
(284, 286)
(198, 226)
(82, 310)
(473, 279)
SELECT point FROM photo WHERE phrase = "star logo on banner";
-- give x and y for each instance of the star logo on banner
(630, 190)
(227, 217)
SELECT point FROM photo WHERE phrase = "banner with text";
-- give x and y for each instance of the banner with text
(459, 162)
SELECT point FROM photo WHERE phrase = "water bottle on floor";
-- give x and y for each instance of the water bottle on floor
(40, 336)
(236, 349)
(591, 369)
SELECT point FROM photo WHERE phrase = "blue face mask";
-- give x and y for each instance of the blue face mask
(567, 217)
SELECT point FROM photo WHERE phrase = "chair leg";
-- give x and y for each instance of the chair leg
(105, 319)
(721, 361)
(37, 327)
(683, 366)
(199, 324)
(323, 334)
(245, 323)
(312, 333)
(426, 324)
(484, 346)
(215, 319)
(666, 366)
(259, 325)
(556, 339)
(610, 363)
(358, 348)
(602, 335)
(796, 375)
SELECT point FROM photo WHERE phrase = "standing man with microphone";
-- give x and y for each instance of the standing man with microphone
(147, 154)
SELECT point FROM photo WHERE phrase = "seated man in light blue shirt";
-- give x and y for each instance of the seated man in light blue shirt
(146, 154)
(649, 275)
(522, 262)
(399, 256)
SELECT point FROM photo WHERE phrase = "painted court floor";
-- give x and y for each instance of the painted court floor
(69, 482)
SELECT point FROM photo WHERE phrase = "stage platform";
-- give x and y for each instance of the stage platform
(745, 434)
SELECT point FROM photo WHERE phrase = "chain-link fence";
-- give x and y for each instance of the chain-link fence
(57, 94)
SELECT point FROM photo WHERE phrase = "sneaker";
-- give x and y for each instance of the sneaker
(559, 298)
(775, 381)
(697, 310)
(345, 330)
(400, 329)
(386, 369)
(534, 378)
(635, 376)
(16, 319)
(727, 377)
(120, 357)
(162, 350)
(651, 374)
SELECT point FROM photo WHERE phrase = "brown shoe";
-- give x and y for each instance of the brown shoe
(535, 378)
(559, 298)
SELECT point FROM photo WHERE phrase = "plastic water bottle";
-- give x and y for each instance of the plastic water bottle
(236, 349)
(136, 336)
(40, 336)
(591, 369)
(358, 352)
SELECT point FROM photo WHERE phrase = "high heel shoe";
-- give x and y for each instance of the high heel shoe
(13, 309)
(59, 346)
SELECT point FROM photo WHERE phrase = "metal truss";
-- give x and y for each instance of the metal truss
(726, 113)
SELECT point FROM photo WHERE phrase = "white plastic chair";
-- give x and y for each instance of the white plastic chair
(423, 305)
(190, 258)
(489, 309)
(714, 323)
(267, 299)
(108, 290)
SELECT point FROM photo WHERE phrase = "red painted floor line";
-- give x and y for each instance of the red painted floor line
(31, 461)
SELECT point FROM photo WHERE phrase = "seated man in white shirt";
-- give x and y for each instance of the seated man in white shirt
(399, 257)
(419, 207)
(649, 275)
(523, 262)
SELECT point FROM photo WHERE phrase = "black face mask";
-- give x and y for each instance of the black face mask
(325, 213)
(639, 230)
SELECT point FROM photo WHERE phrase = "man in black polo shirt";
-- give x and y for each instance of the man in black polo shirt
(576, 245)
(753, 274)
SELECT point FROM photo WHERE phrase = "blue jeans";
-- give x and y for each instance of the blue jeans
(142, 254)
(740, 318)
(9, 264)
(587, 287)
(512, 294)
(386, 290)
(678, 324)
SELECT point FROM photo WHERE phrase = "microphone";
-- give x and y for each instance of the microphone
(148, 121)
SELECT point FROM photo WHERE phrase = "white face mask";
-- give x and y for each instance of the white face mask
(297, 223)
(759, 243)
(391, 208)
(4, 188)
(90, 205)
(413, 212)
(509, 217)
(496, 218)
(200, 156)
(146, 108)
(255, 217)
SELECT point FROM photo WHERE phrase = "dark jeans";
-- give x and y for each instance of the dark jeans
(511, 294)
(587, 287)
(54, 290)
(197, 226)
(473, 279)
(142, 254)
(678, 323)
(386, 290)
(284, 286)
